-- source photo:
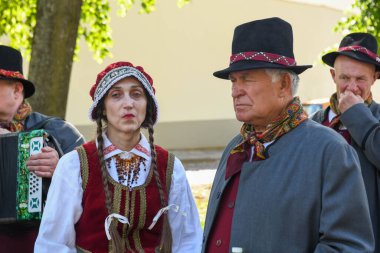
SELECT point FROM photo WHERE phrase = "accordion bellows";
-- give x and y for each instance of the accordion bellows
(20, 190)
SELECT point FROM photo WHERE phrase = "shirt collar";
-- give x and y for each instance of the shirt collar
(142, 149)
(331, 115)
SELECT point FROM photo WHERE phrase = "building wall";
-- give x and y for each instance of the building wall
(181, 48)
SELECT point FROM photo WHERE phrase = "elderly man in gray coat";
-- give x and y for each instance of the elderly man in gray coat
(354, 114)
(285, 184)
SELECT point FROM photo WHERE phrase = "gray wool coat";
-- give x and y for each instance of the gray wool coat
(363, 124)
(307, 196)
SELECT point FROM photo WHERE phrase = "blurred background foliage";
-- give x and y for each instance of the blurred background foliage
(18, 20)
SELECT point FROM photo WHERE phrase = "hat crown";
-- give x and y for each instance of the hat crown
(262, 44)
(10, 59)
(11, 68)
(358, 46)
(360, 39)
(271, 35)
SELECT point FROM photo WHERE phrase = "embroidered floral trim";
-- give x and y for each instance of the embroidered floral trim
(263, 56)
(13, 74)
(361, 50)
(142, 150)
(109, 149)
(117, 72)
(124, 155)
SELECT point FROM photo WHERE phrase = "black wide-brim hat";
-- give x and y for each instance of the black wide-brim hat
(262, 44)
(11, 68)
(358, 46)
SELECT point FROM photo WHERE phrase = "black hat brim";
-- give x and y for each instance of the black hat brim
(329, 58)
(248, 65)
(29, 88)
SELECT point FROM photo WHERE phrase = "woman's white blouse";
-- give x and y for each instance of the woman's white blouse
(64, 203)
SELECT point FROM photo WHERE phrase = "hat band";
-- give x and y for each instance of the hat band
(263, 56)
(11, 74)
(361, 50)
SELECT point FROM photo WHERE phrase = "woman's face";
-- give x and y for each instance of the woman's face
(125, 107)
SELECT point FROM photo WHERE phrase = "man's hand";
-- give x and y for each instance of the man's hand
(4, 131)
(44, 163)
(348, 99)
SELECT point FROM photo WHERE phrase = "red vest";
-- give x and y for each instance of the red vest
(344, 132)
(139, 205)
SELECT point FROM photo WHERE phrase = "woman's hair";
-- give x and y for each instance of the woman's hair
(118, 245)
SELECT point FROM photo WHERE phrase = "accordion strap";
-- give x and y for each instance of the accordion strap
(53, 140)
(41, 124)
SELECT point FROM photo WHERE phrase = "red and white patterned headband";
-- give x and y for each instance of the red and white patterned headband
(263, 56)
(361, 50)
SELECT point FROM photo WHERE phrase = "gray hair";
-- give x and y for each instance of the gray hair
(275, 75)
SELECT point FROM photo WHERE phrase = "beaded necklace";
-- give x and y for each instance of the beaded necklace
(128, 168)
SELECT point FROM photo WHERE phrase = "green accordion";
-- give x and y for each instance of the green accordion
(21, 191)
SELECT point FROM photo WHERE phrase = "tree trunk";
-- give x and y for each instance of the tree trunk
(53, 47)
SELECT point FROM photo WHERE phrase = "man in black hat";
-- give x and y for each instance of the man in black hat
(354, 114)
(15, 116)
(285, 183)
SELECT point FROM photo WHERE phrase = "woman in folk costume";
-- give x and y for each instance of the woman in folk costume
(120, 193)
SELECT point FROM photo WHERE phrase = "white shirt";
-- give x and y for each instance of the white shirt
(64, 203)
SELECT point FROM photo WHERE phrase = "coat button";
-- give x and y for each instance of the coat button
(231, 204)
(218, 243)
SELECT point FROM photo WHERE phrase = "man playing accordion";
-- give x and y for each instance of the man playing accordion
(16, 115)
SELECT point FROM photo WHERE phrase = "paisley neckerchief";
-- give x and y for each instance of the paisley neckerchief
(289, 119)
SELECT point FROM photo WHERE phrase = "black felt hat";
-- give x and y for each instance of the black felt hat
(358, 46)
(265, 43)
(11, 68)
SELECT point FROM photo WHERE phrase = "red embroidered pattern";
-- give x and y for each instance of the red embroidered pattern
(142, 149)
(138, 147)
(263, 56)
(361, 50)
(13, 74)
(109, 149)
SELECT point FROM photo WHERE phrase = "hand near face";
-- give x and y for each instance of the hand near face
(4, 131)
(348, 99)
(44, 163)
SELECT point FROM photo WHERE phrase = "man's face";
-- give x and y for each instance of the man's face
(256, 99)
(10, 99)
(353, 76)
